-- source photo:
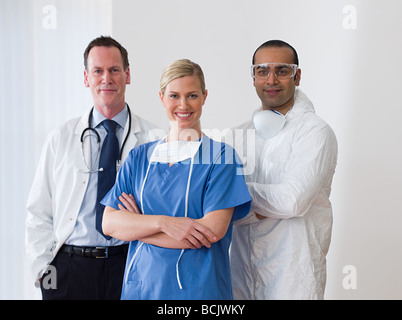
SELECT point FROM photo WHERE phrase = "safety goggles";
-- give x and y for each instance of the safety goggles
(281, 71)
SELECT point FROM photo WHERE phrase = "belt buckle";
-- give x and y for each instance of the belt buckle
(106, 252)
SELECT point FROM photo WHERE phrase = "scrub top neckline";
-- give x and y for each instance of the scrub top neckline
(164, 170)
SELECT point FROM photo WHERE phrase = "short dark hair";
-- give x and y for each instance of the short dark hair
(278, 44)
(106, 41)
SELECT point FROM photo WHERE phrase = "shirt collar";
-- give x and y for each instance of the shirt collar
(120, 118)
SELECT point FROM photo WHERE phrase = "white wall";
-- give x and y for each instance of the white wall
(41, 85)
(349, 52)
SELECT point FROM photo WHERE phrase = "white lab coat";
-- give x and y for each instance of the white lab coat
(59, 187)
(283, 255)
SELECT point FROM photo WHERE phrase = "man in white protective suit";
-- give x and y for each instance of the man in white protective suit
(278, 251)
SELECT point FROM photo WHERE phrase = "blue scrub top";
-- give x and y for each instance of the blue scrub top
(216, 183)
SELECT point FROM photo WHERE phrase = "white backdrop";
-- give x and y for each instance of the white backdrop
(41, 85)
(349, 50)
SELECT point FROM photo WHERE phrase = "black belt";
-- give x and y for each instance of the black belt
(94, 252)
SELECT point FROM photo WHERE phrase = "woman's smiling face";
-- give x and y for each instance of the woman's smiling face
(183, 100)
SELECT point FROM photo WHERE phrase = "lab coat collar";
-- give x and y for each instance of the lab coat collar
(82, 123)
(120, 118)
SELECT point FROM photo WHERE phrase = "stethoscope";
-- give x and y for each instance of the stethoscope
(90, 131)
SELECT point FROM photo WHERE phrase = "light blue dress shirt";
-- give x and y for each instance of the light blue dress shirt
(84, 233)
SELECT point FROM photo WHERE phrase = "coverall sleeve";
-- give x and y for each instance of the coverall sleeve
(309, 171)
(39, 220)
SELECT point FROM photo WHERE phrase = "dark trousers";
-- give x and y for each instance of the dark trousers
(85, 278)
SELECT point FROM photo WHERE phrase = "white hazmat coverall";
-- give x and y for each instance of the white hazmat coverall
(283, 255)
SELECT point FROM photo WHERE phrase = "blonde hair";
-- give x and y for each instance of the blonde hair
(181, 68)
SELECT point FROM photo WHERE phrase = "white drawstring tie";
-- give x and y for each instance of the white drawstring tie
(185, 214)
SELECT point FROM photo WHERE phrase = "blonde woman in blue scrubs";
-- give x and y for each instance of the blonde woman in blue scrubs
(189, 189)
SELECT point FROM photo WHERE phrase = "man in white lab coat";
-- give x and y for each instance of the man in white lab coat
(61, 235)
(278, 251)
